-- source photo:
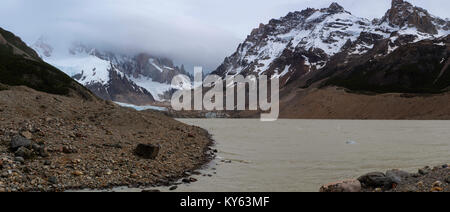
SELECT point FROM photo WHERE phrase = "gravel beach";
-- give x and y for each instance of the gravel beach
(56, 143)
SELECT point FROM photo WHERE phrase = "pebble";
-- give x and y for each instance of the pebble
(437, 184)
(420, 184)
(424, 171)
(19, 159)
(78, 173)
(108, 172)
(27, 135)
(53, 180)
(173, 188)
(437, 189)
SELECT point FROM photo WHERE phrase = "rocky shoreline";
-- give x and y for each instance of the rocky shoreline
(427, 179)
(52, 143)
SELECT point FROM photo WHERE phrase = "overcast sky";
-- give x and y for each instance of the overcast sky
(195, 32)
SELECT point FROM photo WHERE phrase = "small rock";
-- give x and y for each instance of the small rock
(27, 135)
(78, 173)
(378, 190)
(445, 166)
(447, 180)
(24, 153)
(424, 171)
(52, 180)
(437, 184)
(196, 173)
(420, 184)
(116, 145)
(351, 185)
(19, 141)
(43, 152)
(108, 172)
(147, 151)
(173, 188)
(190, 135)
(437, 189)
(415, 175)
(69, 149)
(19, 159)
(47, 163)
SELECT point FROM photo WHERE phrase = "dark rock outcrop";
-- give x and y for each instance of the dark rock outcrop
(147, 151)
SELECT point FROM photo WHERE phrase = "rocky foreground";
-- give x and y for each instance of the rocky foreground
(427, 179)
(56, 143)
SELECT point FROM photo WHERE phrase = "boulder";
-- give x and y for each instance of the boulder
(19, 141)
(397, 176)
(147, 151)
(351, 185)
(375, 180)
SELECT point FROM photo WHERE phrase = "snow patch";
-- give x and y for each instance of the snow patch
(141, 108)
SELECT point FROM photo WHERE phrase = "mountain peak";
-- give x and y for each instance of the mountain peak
(403, 14)
(336, 7)
(397, 3)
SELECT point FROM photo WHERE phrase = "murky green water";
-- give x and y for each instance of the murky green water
(300, 155)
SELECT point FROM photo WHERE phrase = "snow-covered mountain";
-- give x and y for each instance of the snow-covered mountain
(304, 42)
(137, 79)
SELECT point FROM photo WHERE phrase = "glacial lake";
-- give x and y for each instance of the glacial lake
(301, 155)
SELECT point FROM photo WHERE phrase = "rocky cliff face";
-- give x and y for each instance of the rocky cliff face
(21, 65)
(302, 46)
(403, 14)
(136, 79)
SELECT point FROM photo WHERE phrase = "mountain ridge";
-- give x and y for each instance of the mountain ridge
(301, 44)
(21, 65)
(138, 79)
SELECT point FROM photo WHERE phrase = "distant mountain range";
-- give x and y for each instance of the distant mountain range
(306, 43)
(405, 51)
(136, 79)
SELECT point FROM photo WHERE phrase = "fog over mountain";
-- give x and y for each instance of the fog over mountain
(192, 32)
